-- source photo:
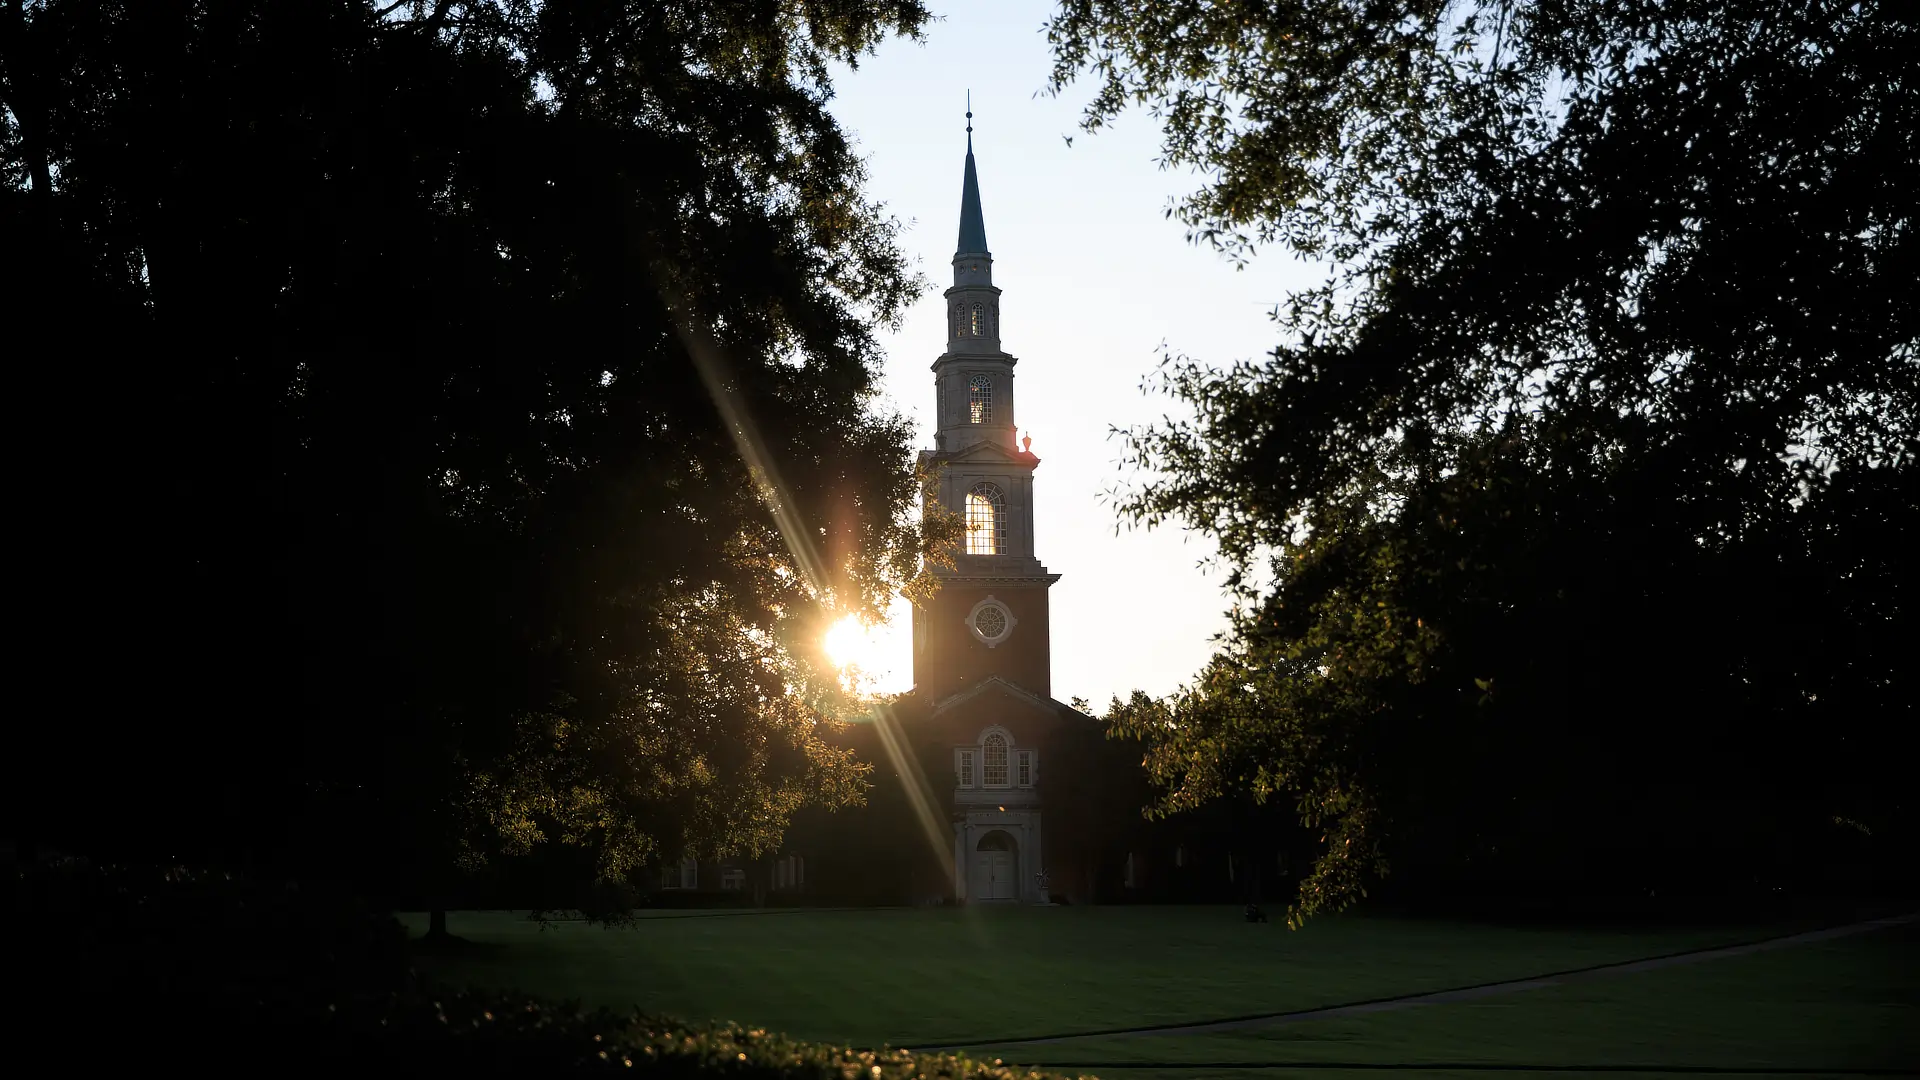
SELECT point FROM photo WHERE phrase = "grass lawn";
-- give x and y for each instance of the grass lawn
(1849, 1004)
(947, 976)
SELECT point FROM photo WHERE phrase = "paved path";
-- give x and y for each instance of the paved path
(1465, 993)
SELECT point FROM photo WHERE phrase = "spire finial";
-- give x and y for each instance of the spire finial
(973, 229)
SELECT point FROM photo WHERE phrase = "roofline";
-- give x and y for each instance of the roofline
(1016, 689)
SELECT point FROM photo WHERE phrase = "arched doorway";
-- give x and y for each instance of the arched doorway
(996, 867)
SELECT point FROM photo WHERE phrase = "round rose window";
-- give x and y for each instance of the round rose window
(990, 621)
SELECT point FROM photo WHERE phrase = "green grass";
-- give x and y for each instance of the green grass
(1852, 1003)
(940, 976)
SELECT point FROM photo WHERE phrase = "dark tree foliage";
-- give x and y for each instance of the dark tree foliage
(1566, 520)
(455, 423)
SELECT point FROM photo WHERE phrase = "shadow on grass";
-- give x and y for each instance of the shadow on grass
(1457, 994)
(451, 945)
(1463, 1066)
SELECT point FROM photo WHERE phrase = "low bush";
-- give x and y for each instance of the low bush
(502, 1034)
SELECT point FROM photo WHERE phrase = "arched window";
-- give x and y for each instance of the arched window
(986, 521)
(978, 328)
(994, 758)
(980, 399)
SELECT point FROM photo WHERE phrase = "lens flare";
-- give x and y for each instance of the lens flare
(850, 644)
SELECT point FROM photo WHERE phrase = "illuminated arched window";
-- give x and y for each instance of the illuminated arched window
(978, 328)
(993, 772)
(980, 399)
(986, 521)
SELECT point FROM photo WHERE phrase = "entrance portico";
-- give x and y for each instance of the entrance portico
(997, 857)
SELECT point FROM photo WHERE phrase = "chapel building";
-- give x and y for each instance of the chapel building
(981, 648)
(985, 789)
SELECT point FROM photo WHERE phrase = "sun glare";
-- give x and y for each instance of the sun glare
(875, 658)
(849, 644)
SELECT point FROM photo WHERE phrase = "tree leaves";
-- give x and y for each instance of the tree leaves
(1619, 315)
(389, 312)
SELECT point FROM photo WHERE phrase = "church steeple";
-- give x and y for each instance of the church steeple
(990, 617)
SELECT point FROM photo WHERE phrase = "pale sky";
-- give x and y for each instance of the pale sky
(1096, 278)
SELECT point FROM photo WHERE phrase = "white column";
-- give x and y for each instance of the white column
(1039, 859)
(960, 861)
(1027, 866)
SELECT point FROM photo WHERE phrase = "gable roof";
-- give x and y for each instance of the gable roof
(1013, 690)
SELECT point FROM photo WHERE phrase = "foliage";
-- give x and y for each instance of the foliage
(480, 402)
(1564, 520)
(508, 1035)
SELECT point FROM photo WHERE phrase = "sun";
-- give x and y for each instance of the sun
(850, 645)
(874, 657)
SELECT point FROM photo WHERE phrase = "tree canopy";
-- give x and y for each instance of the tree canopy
(466, 421)
(1565, 518)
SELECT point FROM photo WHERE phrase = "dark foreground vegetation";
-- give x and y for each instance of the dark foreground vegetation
(487, 389)
(114, 963)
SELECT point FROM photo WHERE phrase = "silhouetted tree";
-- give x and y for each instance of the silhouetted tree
(1565, 521)
(455, 423)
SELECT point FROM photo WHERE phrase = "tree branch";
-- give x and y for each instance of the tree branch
(19, 86)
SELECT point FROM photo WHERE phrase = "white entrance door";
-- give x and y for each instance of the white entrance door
(996, 862)
(996, 875)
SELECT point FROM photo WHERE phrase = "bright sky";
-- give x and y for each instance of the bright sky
(1096, 278)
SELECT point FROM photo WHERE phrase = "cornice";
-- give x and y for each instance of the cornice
(948, 358)
(1007, 579)
(988, 569)
(986, 448)
(972, 286)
